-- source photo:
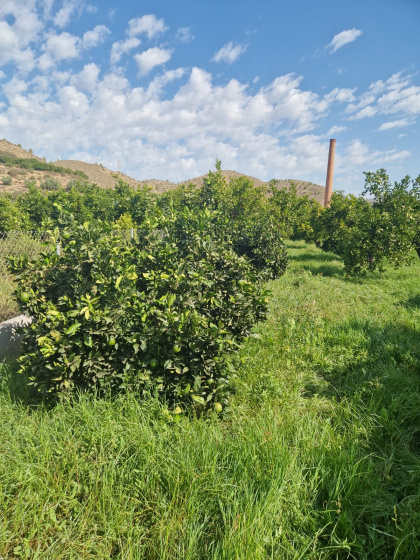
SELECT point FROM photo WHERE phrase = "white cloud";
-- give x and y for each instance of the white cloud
(336, 130)
(342, 39)
(184, 35)
(268, 131)
(14, 89)
(358, 154)
(70, 7)
(122, 47)
(96, 36)
(63, 15)
(395, 124)
(148, 24)
(87, 79)
(395, 95)
(47, 7)
(229, 53)
(18, 32)
(341, 95)
(73, 102)
(368, 111)
(160, 81)
(147, 60)
(62, 47)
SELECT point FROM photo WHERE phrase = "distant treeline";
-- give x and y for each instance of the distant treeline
(367, 235)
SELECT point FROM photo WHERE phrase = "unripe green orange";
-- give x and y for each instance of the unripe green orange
(218, 407)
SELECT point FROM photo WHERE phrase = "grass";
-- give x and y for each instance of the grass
(318, 457)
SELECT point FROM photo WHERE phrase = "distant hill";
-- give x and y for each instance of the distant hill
(106, 178)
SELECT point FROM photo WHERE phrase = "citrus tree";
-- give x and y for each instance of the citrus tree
(159, 314)
(368, 234)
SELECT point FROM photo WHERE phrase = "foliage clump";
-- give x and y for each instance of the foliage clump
(50, 183)
(243, 216)
(161, 314)
(369, 233)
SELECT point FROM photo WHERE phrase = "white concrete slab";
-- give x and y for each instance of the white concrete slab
(9, 338)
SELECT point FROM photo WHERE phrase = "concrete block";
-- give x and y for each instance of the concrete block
(9, 338)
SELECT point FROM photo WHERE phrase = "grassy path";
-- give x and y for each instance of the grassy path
(318, 458)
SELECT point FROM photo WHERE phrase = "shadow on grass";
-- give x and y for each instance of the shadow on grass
(15, 385)
(325, 270)
(377, 367)
(413, 302)
(315, 261)
(316, 256)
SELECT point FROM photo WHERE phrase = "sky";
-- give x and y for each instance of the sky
(160, 89)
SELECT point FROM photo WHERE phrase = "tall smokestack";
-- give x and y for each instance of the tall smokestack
(330, 174)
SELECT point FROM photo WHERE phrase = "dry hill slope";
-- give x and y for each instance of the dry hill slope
(16, 151)
(106, 178)
(19, 175)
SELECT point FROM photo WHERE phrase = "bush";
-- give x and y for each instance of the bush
(249, 222)
(368, 235)
(7, 180)
(15, 172)
(296, 215)
(262, 242)
(11, 217)
(159, 315)
(50, 183)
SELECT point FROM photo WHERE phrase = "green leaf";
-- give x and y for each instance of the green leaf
(73, 329)
(87, 339)
(198, 399)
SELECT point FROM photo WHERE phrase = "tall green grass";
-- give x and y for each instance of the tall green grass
(317, 458)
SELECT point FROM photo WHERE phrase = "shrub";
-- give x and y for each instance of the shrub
(249, 221)
(7, 180)
(367, 235)
(14, 172)
(159, 315)
(262, 242)
(36, 205)
(30, 183)
(11, 217)
(50, 183)
(296, 214)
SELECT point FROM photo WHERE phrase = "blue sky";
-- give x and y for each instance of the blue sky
(164, 88)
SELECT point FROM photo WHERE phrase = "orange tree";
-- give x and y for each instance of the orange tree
(367, 234)
(159, 314)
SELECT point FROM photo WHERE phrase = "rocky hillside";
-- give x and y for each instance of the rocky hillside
(106, 178)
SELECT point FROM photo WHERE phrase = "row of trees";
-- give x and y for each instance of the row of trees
(164, 311)
(160, 313)
(365, 233)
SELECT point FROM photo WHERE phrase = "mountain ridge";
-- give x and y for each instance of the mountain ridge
(106, 178)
